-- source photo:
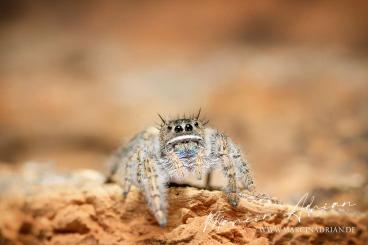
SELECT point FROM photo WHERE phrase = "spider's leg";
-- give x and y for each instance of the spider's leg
(151, 180)
(138, 164)
(222, 151)
(242, 167)
(150, 175)
(112, 171)
(228, 167)
(121, 164)
(114, 164)
(127, 172)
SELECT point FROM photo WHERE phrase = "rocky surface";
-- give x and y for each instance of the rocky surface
(89, 212)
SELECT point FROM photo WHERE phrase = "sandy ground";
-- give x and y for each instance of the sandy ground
(77, 208)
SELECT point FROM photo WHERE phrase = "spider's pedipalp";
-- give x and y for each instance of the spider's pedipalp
(175, 165)
(199, 164)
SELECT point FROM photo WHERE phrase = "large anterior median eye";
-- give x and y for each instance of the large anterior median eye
(178, 129)
(188, 127)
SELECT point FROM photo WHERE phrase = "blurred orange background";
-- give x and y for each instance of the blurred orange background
(287, 80)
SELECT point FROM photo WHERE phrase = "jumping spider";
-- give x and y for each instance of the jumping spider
(156, 156)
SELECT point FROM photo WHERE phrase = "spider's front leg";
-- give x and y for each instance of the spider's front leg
(242, 166)
(151, 180)
(137, 163)
(234, 167)
(228, 168)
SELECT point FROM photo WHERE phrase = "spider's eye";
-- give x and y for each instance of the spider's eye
(169, 128)
(196, 124)
(178, 129)
(188, 127)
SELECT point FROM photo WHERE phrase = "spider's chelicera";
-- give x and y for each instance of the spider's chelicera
(157, 156)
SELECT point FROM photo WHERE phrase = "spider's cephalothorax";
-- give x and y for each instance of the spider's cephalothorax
(183, 140)
(157, 155)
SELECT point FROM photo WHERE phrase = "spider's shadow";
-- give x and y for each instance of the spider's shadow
(210, 188)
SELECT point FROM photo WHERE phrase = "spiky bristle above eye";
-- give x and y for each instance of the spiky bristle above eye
(162, 119)
(184, 117)
(199, 113)
(198, 118)
(205, 122)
